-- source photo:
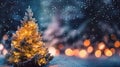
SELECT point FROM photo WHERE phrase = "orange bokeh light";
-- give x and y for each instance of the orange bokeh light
(83, 53)
(86, 42)
(108, 52)
(76, 52)
(113, 50)
(57, 52)
(90, 49)
(101, 46)
(117, 44)
(98, 53)
(69, 52)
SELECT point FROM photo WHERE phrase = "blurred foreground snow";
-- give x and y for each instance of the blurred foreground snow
(64, 61)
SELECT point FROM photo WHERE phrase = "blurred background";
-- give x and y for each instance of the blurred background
(88, 30)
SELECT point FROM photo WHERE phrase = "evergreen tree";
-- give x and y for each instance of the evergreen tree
(27, 45)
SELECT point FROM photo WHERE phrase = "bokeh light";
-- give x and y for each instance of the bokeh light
(83, 53)
(113, 50)
(117, 44)
(52, 50)
(5, 37)
(101, 46)
(108, 52)
(90, 49)
(98, 53)
(69, 52)
(1, 47)
(5, 51)
(57, 52)
(86, 42)
(76, 52)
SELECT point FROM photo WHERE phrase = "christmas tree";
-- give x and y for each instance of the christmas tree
(28, 49)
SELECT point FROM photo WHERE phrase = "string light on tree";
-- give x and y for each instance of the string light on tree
(27, 45)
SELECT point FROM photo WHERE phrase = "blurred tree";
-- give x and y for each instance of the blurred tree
(27, 46)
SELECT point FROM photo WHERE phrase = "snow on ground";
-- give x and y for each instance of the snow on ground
(64, 61)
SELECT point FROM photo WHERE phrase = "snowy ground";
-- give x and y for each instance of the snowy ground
(63, 61)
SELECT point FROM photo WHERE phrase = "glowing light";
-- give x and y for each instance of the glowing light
(113, 50)
(57, 52)
(28, 55)
(5, 51)
(117, 44)
(98, 53)
(83, 53)
(69, 52)
(76, 52)
(5, 37)
(86, 43)
(14, 42)
(52, 50)
(108, 52)
(1, 47)
(16, 53)
(90, 49)
(31, 24)
(101, 46)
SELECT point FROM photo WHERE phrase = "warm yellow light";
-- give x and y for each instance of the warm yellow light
(27, 43)
(29, 55)
(16, 60)
(83, 53)
(25, 32)
(108, 52)
(69, 52)
(43, 61)
(98, 53)
(86, 42)
(16, 53)
(31, 24)
(90, 49)
(117, 44)
(14, 42)
(101, 46)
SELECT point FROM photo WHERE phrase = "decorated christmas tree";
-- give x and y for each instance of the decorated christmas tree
(28, 49)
